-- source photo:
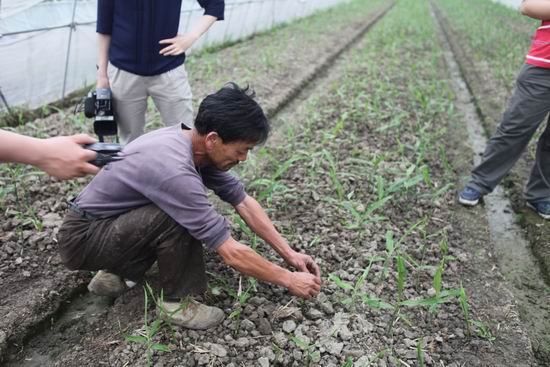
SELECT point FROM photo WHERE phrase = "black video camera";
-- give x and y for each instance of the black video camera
(99, 104)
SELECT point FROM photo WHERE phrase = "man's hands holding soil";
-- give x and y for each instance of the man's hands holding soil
(305, 283)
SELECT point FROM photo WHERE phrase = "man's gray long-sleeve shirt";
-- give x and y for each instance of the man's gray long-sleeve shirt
(158, 168)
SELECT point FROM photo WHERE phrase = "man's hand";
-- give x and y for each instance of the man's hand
(247, 261)
(304, 285)
(64, 157)
(177, 45)
(304, 263)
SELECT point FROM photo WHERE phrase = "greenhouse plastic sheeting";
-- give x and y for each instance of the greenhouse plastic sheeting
(48, 48)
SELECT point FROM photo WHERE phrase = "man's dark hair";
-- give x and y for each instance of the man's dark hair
(233, 113)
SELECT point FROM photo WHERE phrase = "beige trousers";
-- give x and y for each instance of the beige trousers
(170, 92)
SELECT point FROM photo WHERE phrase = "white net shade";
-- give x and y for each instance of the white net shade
(38, 65)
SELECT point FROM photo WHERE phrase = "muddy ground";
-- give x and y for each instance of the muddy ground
(381, 108)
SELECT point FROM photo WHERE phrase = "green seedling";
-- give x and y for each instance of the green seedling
(354, 288)
(465, 307)
(252, 237)
(272, 184)
(362, 216)
(379, 355)
(333, 174)
(483, 331)
(348, 363)
(401, 277)
(149, 330)
(240, 296)
(309, 348)
(420, 352)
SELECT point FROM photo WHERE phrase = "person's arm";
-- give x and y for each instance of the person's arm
(104, 29)
(180, 43)
(245, 260)
(536, 9)
(103, 44)
(62, 157)
(256, 218)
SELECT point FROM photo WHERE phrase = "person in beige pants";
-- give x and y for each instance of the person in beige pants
(141, 55)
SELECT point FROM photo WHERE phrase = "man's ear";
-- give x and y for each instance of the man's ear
(211, 140)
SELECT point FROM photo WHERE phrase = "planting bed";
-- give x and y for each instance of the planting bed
(359, 173)
(491, 43)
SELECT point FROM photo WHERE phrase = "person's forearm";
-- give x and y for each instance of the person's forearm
(256, 218)
(203, 24)
(536, 9)
(103, 44)
(245, 260)
(19, 148)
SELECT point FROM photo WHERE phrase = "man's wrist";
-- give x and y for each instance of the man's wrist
(286, 279)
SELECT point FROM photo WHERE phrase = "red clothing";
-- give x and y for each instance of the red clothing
(539, 54)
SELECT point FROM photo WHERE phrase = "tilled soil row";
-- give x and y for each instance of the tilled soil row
(491, 104)
(35, 283)
(360, 181)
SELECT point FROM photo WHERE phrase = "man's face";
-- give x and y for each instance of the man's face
(226, 156)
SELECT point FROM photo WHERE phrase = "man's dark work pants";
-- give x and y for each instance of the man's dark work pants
(529, 104)
(128, 244)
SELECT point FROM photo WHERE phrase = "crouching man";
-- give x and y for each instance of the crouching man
(152, 206)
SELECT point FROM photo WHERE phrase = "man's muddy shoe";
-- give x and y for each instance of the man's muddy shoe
(469, 196)
(192, 315)
(107, 284)
(541, 207)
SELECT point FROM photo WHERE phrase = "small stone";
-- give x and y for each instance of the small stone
(203, 359)
(256, 301)
(19, 260)
(327, 308)
(289, 326)
(314, 314)
(263, 362)
(280, 339)
(247, 325)
(26, 273)
(51, 220)
(268, 353)
(241, 343)
(334, 348)
(431, 292)
(264, 326)
(217, 350)
(344, 333)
